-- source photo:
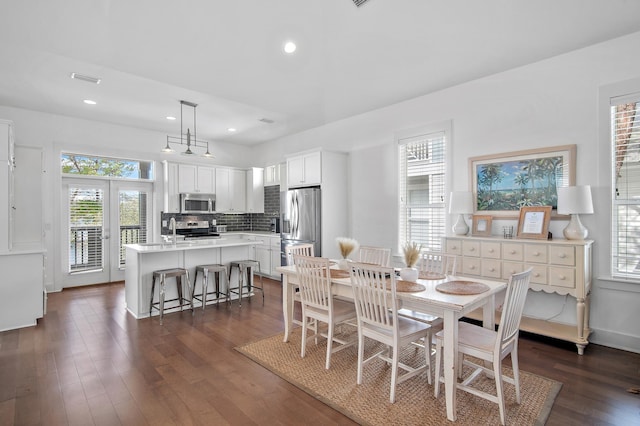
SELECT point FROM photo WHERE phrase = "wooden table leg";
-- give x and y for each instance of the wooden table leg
(287, 306)
(450, 352)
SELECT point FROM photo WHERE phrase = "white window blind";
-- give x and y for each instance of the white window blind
(86, 221)
(133, 220)
(422, 186)
(625, 136)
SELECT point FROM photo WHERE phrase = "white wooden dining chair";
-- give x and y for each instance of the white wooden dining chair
(432, 263)
(299, 249)
(375, 255)
(438, 263)
(377, 309)
(318, 303)
(491, 346)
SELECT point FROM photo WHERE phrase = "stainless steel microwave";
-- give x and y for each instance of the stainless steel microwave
(197, 203)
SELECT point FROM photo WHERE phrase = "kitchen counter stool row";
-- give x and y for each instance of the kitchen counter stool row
(216, 272)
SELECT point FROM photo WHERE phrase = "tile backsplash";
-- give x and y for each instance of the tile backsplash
(236, 222)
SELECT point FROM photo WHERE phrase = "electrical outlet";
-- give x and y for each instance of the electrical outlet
(164, 224)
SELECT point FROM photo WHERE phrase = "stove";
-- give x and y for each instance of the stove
(193, 229)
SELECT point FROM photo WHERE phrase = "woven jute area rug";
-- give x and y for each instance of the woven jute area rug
(415, 404)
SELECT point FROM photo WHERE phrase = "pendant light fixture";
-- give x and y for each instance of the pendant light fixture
(186, 139)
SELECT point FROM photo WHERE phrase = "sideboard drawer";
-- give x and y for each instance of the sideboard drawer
(510, 268)
(471, 248)
(562, 255)
(491, 268)
(471, 266)
(512, 251)
(454, 247)
(535, 253)
(562, 277)
(490, 250)
(539, 274)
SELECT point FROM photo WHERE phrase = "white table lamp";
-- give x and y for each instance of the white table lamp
(575, 200)
(461, 202)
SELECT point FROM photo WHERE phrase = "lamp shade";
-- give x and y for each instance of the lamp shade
(575, 200)
(461, 202)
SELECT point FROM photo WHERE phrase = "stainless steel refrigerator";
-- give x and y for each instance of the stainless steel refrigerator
(300, 220)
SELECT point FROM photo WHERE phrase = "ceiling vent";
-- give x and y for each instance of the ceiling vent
(267, 120)
(359, 2)
(87, 78)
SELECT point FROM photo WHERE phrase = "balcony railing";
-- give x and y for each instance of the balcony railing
(85, 250)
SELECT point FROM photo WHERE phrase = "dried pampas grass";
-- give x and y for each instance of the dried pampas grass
(347, 245)
(411, 253)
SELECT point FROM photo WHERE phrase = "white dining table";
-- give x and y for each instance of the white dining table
(449, 307)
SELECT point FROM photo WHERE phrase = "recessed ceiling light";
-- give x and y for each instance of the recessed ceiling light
(231, 129)
(89, 102)
(289, 47)
(170, 118)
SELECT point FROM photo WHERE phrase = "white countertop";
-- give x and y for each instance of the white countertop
(231, 241)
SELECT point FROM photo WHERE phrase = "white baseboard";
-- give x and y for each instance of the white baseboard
(615, 340)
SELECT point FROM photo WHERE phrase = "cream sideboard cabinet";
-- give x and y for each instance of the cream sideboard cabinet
(559, 266)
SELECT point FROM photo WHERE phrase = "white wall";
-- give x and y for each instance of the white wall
(549, 103)
(55, 134)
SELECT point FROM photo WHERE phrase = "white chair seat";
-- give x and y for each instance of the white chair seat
(479, 338)
(342, 310)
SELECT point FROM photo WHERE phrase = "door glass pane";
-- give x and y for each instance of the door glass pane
(86, 220)
(132, 219)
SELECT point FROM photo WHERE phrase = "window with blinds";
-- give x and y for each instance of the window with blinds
(422, 186)
(625, 136)
(86, 219)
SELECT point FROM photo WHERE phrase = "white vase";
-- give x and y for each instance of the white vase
(409, 274)
(343, 264)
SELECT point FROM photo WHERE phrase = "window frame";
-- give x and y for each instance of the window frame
(444, 127)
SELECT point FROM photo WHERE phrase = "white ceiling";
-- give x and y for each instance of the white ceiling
(227, 56)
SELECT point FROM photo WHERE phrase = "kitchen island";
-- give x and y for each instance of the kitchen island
(143, 259)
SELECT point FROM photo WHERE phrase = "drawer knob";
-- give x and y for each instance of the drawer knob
(536, 274)
(471, 249)
(512, 252)
(513, 272)
(563, 255)
(562, 277)
(472, 267)
(490, 250)
(536, 254)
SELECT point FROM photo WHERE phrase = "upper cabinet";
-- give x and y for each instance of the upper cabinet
(230, 190)
(272, 175)
(304, 170)
(193, 178)
(255, 190)
(7, 162)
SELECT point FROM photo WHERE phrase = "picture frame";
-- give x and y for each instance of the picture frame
(481, 225)
(503, 183)
(534, 222)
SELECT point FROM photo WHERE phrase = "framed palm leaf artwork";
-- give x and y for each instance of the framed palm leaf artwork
(504, 183)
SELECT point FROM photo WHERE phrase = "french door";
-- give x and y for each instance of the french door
(99, 217)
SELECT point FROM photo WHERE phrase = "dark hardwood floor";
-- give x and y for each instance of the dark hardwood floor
(89, 362)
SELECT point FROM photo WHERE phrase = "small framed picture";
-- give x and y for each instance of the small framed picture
(481, 225)
(534, 222)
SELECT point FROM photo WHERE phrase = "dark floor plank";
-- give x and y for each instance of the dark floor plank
(89, 362)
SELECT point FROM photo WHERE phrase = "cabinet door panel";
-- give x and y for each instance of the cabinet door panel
(562, 277)
(539, 274)
(206, 178)
(187, 178)
(562, 255)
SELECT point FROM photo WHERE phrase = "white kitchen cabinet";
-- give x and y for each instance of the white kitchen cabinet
(267, 253)
(192, 178)
(7, 205)
(304, 170)
(230, 190)
(559, 266)
(272, 175)
(171, 195)
(22, 289)
(255, 190)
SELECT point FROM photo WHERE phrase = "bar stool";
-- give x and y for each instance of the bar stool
(245, 274)
(163, 274)
(218, 271)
